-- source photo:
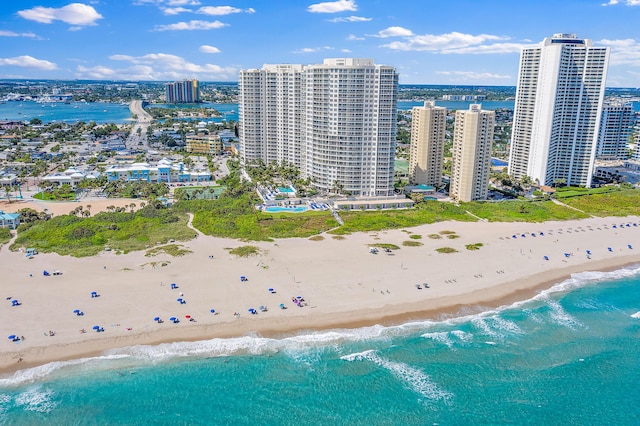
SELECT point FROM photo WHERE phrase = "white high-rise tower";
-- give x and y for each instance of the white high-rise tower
(336, 121)
(557, 110)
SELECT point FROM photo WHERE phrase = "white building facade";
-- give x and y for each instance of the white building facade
(557, 110)
(336, 121)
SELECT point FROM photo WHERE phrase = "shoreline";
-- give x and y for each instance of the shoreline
(524, 276)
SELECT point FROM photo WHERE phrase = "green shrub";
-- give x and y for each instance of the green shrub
(446, 250)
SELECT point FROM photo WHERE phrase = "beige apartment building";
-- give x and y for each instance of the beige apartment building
(428, 127)
(472, 140)
(204, 144)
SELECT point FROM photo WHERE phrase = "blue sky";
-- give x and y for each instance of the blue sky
(473, 42)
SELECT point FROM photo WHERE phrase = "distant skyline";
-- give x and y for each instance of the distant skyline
(466, 42)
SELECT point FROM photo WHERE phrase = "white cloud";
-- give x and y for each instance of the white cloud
(352, 37)
(625, 2)
(209, 49)
(222, 10)
(345, 50)
(191, 25)
(454, 42)
(333, 6)
(313, 49)
(351, 19)
(394, 32)
(14, 34)
(171, 11)
(623, 52)
(161, 3)
(473, 75)
(74, 14)
(28, 62)
(157, 66)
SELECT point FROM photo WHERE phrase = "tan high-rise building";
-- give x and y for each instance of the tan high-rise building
(428, 127)
(472, 140)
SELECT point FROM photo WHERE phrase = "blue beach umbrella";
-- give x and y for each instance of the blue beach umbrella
(213, 311)
(156, 319)
(76, 311)
(173, 319)
(96, 327)
(609, 248)
(12, 337)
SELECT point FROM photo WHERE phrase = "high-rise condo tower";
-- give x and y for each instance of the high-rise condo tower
(557, 110)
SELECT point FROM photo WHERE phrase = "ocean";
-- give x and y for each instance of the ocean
(569, 355)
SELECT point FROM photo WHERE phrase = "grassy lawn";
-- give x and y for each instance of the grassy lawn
(122, 232)
(237, 218)
(623, 202)
(427, 212)
(521, 211)
(570, 191)
(50, 196)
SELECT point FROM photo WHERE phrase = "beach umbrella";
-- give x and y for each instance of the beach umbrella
(629, 245)
(299, 297)
(173, 319)
(96, 327)
(609, 248)
(514, 236)
(282, 306)
(271, 290)
(588, 251)
(76, 311)
(213, 311)
(12, 337)
(179, 299)
(187, 316)
(546, 258)
(156, 319)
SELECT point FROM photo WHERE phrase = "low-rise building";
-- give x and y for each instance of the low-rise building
(203, 143)
(9, 220)
(72, 176)
(164, 171)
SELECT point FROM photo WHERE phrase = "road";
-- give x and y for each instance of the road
(143, 121)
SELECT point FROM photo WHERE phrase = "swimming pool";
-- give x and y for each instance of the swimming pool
(277, 209)
(285, 189)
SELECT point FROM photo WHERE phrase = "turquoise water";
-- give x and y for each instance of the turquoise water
(277, 209)
(567, 356)
(91, 111)
(284, 189)
(59, 111)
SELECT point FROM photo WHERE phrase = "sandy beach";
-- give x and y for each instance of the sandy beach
(343, 284)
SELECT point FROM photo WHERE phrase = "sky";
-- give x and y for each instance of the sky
(464, 42)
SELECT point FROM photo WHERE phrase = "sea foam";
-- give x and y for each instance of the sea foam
(411, 378)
